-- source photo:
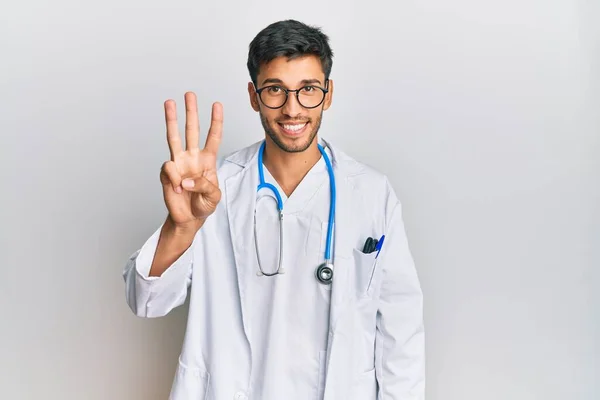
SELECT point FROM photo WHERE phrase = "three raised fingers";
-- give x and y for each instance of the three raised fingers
(192, 126)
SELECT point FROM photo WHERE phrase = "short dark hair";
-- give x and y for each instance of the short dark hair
(292, 39)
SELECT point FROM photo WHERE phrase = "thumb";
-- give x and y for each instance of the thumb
(203, 186)
(208, 196)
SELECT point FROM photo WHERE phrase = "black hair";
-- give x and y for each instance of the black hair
(291, 39)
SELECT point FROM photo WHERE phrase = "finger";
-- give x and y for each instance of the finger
(215, 133)
(198, 184)
(210, 192)
(173, 138)
(192, 126)
(170, 176)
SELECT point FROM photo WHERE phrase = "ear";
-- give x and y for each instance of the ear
(253, 97)
(329, 95)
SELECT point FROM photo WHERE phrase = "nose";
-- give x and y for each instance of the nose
(292, 107)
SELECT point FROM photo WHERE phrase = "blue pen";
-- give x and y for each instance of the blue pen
(379, 245)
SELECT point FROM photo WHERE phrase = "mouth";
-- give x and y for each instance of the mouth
(295, 129)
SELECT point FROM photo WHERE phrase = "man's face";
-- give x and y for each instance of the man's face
(292, 127)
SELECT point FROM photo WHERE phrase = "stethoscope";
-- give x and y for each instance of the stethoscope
(324, 272)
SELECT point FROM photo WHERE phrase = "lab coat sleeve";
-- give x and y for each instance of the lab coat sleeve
(151, 296)
(399, 346)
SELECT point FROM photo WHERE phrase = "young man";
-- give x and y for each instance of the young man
(301, 280)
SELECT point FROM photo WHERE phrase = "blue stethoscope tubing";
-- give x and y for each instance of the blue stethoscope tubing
(324, 272)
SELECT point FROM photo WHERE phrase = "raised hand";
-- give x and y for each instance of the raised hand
(189, 179)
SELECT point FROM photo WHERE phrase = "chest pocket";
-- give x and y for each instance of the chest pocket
(366, 272)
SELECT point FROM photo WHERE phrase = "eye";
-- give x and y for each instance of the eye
(274, 89)
(308, 89)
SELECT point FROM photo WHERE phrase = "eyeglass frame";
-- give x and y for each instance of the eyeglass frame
(297, 91)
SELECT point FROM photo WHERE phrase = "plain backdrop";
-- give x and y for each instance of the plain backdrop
(484, 114)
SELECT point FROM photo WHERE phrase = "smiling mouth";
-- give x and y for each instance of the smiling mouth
(294, 129)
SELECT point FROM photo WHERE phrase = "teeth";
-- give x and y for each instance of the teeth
(294, 128)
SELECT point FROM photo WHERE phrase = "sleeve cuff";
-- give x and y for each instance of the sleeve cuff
(146, 256)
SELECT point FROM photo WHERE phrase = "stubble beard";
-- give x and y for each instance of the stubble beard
(291, 149)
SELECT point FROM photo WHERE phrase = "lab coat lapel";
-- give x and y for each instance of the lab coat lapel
(342, 248)
(341, 286)
(241, 199)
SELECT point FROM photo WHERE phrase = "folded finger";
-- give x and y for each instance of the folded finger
(200, 185)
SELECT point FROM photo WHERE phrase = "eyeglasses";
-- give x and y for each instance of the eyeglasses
(276, 96)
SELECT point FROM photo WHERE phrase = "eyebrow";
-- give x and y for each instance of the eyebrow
(303, 81)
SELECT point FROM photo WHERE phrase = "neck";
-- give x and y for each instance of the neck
(289, 169)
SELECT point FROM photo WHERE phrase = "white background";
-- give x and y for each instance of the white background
(485, 115)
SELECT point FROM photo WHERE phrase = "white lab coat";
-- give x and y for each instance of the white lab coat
(375, 349)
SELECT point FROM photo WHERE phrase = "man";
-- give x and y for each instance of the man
(318, 301)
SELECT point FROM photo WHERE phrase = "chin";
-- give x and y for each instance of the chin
(291, 136)
(293, 141)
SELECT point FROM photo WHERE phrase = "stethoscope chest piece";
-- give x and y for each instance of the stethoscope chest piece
(324, 274)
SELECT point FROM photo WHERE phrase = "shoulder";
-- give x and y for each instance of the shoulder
(235, 161)
(365, 181)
